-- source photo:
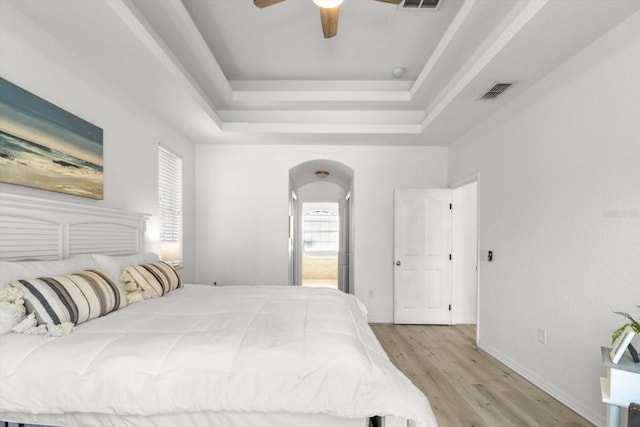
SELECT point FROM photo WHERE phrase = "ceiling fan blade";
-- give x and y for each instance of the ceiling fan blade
(391, 1)
(265, 3)
(329, 19)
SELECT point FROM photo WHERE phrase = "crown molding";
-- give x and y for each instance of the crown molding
(141, 28)
(525, 12)
(245, 94)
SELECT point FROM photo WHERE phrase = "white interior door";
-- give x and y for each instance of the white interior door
(422, 248)
(464, 242)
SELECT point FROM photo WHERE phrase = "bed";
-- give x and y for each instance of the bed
(199, 354)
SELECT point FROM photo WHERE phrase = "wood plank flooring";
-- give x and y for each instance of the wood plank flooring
(465, 385)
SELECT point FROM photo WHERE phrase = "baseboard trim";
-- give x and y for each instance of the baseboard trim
(465, 321)
(590, 414)
(378, 320)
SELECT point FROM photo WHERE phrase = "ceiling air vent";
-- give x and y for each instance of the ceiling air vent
(497, 90)
(420, 4)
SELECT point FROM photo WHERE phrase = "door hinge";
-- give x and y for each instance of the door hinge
(449, 307)
(449, 257)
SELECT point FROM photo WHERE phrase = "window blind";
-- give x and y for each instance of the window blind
(170, 196)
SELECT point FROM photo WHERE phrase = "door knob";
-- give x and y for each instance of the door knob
(398, 263)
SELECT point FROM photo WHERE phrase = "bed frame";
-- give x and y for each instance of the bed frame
(42, 229)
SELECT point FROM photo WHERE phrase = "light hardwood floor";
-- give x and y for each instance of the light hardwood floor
(465, 385)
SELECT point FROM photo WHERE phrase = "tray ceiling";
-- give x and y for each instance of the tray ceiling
(225, 71)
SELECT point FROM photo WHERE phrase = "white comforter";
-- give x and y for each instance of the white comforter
(203, 348)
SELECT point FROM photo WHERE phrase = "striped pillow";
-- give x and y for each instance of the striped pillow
(156, 278)
(75, 298)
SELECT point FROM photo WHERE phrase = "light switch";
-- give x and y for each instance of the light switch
(486, 255)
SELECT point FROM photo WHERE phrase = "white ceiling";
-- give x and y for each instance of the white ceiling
(223, 71)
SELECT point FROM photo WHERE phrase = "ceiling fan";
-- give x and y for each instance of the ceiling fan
(328, 12)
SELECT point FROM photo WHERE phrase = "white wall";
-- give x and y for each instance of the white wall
(33, 60)
(241, 211)
(321, 191)
(559, 200)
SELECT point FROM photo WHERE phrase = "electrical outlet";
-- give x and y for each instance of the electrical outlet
(542, 336)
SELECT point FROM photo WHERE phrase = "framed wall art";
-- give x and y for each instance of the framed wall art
(46, 147)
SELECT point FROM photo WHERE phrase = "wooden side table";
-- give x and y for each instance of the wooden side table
(620, 387)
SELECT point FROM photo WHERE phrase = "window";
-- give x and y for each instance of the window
(170, 197)
(320, 232)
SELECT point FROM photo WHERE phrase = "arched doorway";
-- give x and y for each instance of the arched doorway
(323, 189)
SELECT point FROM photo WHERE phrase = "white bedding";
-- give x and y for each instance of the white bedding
(204, 349)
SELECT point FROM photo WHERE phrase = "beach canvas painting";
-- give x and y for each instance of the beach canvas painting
(46, 147)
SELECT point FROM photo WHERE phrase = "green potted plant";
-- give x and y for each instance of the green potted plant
(621, 337)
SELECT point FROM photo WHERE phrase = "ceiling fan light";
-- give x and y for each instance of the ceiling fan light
(328, 4)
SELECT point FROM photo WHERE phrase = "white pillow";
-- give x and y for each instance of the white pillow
(11, 271)
(15, 270)
(113, 265)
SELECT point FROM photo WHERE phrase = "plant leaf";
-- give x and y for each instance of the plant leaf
(635, 325)
(616, 334)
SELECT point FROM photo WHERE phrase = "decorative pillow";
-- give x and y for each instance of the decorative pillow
(74, 298)
(152, 280)
(14, 270)
(113, 265)
(9, 319)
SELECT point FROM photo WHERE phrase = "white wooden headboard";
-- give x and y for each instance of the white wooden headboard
(32, 228)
